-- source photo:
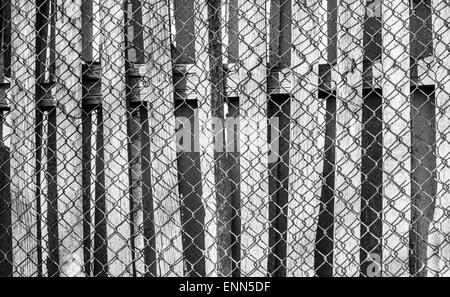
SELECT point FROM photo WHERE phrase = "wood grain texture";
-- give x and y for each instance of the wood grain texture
(206, 136)
(253, 51)
(306, 147)
(211, 114)
(69, 139)
(23, 179)
(137, 215)
(396, 137)
(162, 133)
(439, 248)
(142, 201)
(115, 137)
(349, 100)
(274, 33)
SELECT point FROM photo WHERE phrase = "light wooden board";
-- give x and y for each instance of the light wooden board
(43, 194)
(144, 258)
(439, 247)
(23, 179)
(115, 137)
(253, 51)
(216, 189)
(206, 136)
(136, 190)
(306, 130)
(162, 133)
(396, 137)
(69, 139)
(349, 100)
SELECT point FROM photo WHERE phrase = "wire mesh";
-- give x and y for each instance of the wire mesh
(224, 138)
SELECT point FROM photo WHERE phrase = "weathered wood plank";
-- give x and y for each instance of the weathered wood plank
(6, 267)
(206, 136)
(40, 186)
(162, 132)
(211, 96)
(23, 179)
(100, 219)
(148, 221)
(349, 100)
(305, 131)
(274, 33)
(137, 218)
(88, 178)
(323, 31)
(253, 53)
(69, 139)
(439, 248)
(134, 55)
(396, 137)
(51, 208)
(115, 137)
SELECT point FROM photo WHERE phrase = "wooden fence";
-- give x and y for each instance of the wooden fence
(92, 94)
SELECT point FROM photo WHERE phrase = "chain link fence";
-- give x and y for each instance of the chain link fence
(224, 138)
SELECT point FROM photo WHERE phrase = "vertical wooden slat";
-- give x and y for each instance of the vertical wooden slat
(206, 135)
(5, 39)
(253, 53)
(148, 220)
(51, 211)
(347, 206)
(211, 97)
(439, 248)
(115, 137)
(274, 33)
(396, 137)
(69, 139)
(87, 28)
(96, 30)
(40, 185)
(148, 226)
(162, 132)
(22, 115)
(6, 267)
(323, 30)
(133, 56)
(90, 215)
(225, 15)
(305, 131)
(100, 230)
(44, 184)
(136, 190)
(87, 182)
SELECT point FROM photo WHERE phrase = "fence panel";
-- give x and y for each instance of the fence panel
(396, 137)
(115, 137)
(253, 136)
(307, 124)
(23, 160)
(438, 251)
(224, 138)
(349, 86)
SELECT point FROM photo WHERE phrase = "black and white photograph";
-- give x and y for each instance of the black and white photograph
(220, 145)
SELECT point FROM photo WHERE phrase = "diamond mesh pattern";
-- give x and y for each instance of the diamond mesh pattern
(224, 138)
